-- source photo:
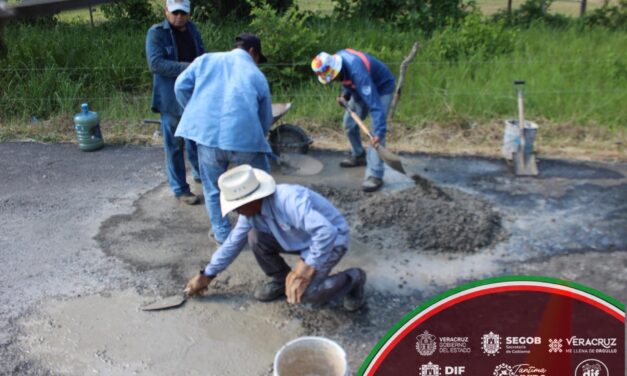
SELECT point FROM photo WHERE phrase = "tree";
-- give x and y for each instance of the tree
(240, 9)
(136, 11)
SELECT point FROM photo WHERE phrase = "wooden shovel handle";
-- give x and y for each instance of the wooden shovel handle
(356, 118)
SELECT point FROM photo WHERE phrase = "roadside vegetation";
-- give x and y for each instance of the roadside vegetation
(456, 95)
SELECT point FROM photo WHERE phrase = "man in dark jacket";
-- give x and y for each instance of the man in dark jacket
(368, 87)
(170, 47)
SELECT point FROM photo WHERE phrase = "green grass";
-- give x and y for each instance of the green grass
(566, 7)
(575, 80)
(572, 77)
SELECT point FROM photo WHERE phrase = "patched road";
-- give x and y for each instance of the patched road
(86, 238)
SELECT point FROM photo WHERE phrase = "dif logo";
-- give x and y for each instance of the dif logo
(592, 367)
(431, 369)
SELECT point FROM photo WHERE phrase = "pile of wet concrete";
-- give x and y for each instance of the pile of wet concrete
(424, 217)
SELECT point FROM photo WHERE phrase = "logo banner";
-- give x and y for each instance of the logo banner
(508, 326)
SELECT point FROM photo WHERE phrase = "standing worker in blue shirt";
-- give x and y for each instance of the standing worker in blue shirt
(368, 87)
(228, 113)
(170, 46)
(285, 218)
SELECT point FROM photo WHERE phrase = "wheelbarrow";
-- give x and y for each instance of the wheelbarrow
(289, 145)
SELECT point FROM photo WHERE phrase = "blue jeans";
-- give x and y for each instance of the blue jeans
(174, 155)
(323, 286)
(213, 163)
(374, 163)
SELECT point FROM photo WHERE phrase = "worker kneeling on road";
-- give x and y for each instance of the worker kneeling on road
(284, 218)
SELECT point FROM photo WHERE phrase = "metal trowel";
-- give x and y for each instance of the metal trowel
(173, 301)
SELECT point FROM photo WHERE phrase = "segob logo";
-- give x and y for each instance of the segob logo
(430, 369)
(491, 343)
(591, 367)
(425, 344)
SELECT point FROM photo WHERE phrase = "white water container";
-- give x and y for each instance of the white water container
(311, 356)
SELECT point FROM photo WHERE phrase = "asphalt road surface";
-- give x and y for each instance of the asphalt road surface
(87, 238)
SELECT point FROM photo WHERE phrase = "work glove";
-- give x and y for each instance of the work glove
(297, 281)
(198, 284)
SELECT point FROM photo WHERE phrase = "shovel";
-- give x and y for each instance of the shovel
(387, 156)
(524, 163)
(166, 303)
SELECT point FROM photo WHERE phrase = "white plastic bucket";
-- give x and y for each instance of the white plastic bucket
(511, 137)
(311, 356)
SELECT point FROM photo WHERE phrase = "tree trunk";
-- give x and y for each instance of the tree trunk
(401, 78)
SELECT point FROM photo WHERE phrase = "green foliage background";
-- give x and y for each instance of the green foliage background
(576, 72)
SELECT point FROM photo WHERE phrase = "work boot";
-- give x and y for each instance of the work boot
(270, 290)
(189, 198)
(355, 299)
(354, 161)
(372, 184)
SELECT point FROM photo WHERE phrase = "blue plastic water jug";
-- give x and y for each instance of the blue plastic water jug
(87, 126)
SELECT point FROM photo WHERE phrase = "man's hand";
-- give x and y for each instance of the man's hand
(197, 285)
(345, 96)
(297, 281)
(375, 141)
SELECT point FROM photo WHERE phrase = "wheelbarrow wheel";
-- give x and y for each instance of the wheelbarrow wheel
(289, 138)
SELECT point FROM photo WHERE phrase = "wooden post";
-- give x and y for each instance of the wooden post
(3, 46)
(582, 10)
(509, 7)
(91, 16)
(401, 78)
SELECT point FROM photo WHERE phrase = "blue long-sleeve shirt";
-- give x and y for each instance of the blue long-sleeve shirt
(227, 102)
(163, 61)
(301, 220)
(368, 84)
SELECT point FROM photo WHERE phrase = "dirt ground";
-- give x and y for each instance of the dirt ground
(89, 237)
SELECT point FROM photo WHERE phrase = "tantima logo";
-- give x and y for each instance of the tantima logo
(491, 343)
(425, 344)
(503, 370)
(592, 367)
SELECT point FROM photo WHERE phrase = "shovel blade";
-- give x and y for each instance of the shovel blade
(391, 159)
(525, 164)
(167, 303)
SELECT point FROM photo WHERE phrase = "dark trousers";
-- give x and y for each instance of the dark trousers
(323, 287)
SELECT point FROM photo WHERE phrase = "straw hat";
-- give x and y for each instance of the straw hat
(243, 184)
